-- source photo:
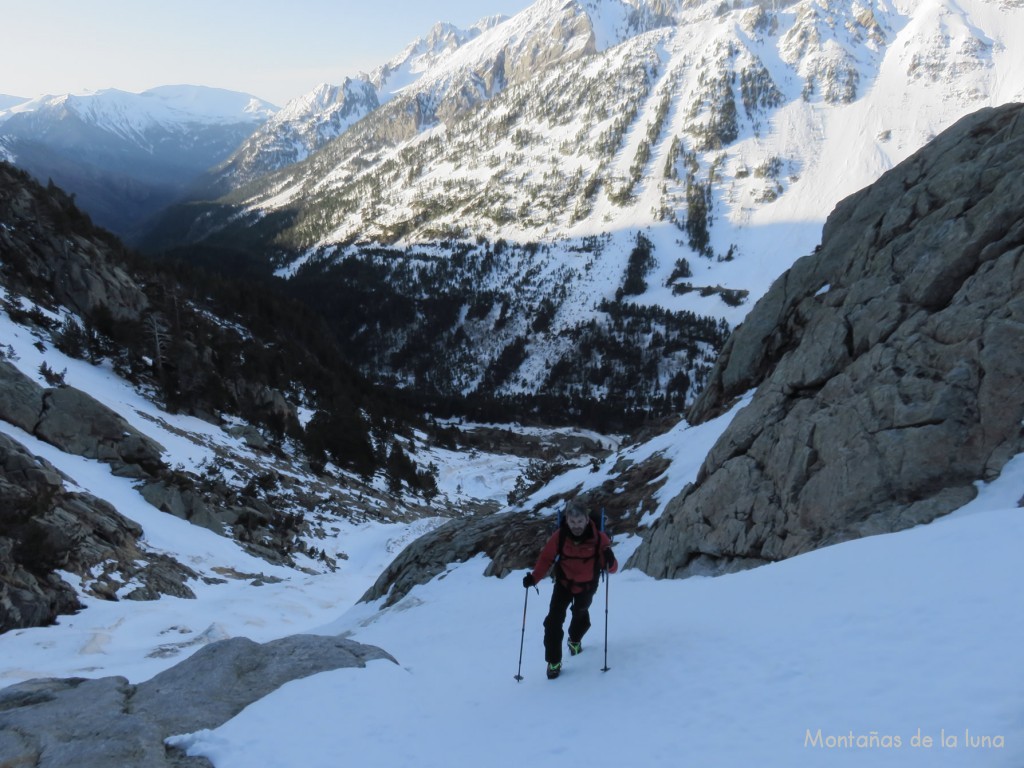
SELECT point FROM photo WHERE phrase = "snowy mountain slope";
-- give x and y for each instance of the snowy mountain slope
(6, 102)
(424, 54)
(312, 120)
(267, 495)
(443, 73)
(197, 447)
(301, 127)
(357, 524)
(103, 355)
(751, 106)
(723, 134)
(854, 655)
(876, 643)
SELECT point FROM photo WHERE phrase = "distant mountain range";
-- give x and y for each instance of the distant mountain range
(124, 155)
(127, 156)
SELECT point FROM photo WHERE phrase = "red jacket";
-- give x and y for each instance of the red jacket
(575, 568)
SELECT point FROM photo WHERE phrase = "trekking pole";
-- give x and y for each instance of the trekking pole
(522, 636)
(607, 580)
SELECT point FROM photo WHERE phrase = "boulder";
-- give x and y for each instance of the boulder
(76, 722)
(77, 423)
(887, 367)
(45, 527)
(52, 723)
(29, 599)
(223, 678)
(511, 540)
(188, 505)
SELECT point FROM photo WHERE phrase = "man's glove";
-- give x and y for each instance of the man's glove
(609, 559)
(528, 580)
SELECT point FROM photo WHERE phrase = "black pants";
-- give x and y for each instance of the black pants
(561, 599)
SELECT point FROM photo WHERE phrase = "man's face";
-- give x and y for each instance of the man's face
(577, 522)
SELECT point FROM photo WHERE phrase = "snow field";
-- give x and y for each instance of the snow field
(851, 655)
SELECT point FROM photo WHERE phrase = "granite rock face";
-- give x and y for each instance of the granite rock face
(60, 723)
(76, 423)
(888, 367)
(64, 258)
(45, 526)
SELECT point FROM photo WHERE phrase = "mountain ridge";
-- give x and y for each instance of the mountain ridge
(721, 135)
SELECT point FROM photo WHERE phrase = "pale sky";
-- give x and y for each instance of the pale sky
(273, 49)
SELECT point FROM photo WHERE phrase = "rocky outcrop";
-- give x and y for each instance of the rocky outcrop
(45, 527)
(76, 423)
(21, 399)
(110, 722)
(30, 599)
(887, 366)
(54, 253)
(175, 498)
(513, 540)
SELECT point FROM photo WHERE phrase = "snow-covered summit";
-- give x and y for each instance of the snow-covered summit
(316, 101)
(312, 120)
(304, 125)
(170, 107)
(214, 104)
(424, 54)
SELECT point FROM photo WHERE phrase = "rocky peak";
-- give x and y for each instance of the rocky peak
(431, 50)
(887, 367)
(302, 127)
